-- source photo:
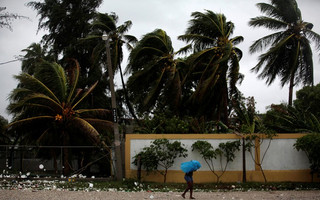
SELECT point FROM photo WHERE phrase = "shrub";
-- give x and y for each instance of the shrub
(208, 153)
(310, 144)
(162, 153)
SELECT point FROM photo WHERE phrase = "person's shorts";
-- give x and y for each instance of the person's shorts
(188, 178)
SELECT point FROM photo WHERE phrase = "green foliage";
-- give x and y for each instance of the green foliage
(3, 124)
(161, 123)
(161, 153)
(66, 21)
(214, 64)
(308, 99)
(46, 109)
(288, 119)
(156, 74)
(4, 139)
(245, 117)
(310, 144)
(289, 54)
(107, 23)
(203, 126)
(209, 154)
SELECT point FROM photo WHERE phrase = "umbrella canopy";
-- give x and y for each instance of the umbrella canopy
(189, 166)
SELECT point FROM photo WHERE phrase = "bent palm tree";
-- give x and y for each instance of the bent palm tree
(155, 72)
(107, 23)
(47, 104)
(215, 61)
(290, 55)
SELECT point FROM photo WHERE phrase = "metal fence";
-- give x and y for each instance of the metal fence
(48, 160)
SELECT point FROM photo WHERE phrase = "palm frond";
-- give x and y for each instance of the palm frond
(155, 90)
(73, 80)
(315, 37)
(124, 27)
(88, 130)
(52, 75)
(184, 50)
(88, 91)
(18, 107)
(100, 122)
(236, 40)
(32, 83)
(43, 135)
(104, 22)
(263, 42)
(269, 9)
(97, 113)
(30, 120)
(131, 41)
(196, 38)
(267, 22)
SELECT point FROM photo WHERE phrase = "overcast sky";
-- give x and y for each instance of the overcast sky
(171, 16)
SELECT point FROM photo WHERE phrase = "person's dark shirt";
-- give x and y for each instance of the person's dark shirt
(190, 174)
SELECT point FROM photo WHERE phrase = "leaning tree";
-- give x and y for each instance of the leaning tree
(289, 54)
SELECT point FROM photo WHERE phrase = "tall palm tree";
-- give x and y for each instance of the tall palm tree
(105, 23)
(215, 62)
(289, 56)
(155, 72)
(46, 108)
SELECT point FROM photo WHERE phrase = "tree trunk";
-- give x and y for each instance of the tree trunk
(126, 97)
(225, 104)
(291, 90)
(165, 176)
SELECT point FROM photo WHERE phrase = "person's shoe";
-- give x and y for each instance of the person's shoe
(192, 198)
(183, 196)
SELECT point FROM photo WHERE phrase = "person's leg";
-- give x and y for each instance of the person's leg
(190, 185)
(186, 190)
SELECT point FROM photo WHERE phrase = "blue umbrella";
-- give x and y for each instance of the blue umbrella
(189, 166)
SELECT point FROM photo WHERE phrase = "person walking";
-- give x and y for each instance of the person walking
(188, 177)
(188, 168)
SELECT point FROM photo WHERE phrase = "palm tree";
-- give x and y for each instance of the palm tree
(290, 55)
(156, 75)
(46, 108)
(214, 62)
(35, 53)
(105, 23)
(65, 22)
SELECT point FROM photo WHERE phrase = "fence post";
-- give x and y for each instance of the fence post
(244, 173)
(61, 161)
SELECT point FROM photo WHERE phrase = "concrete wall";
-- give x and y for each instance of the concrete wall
(280, 163)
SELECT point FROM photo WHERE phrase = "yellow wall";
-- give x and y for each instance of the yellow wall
(208, 176)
